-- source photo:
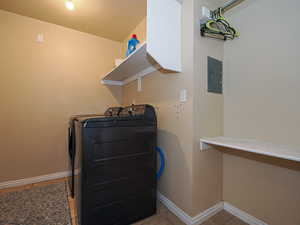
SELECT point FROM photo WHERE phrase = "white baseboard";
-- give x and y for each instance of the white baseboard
(202, 217)
(242, 215)
(31, 180)
(184, 217)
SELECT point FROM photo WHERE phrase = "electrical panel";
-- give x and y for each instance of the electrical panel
(215, 75)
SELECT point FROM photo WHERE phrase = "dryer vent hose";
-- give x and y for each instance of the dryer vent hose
(162, 162)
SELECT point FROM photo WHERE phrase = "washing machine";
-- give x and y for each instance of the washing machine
(113, 163)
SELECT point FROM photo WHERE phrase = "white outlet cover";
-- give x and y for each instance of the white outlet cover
(183, 95)
(40, 38)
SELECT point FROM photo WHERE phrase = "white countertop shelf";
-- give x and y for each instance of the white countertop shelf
(254, 146)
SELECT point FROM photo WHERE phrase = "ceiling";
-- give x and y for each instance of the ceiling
(112, 19)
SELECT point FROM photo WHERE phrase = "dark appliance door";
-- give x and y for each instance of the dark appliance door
(72, 156)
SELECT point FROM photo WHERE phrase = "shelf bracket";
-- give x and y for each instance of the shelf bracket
(139, 88)
(204, 146)
(112, 82)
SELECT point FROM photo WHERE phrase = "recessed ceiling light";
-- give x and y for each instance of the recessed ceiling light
(70, 5)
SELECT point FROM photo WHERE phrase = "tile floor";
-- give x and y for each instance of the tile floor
(163, 216)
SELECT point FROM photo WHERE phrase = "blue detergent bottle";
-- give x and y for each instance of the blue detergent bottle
(132, 43)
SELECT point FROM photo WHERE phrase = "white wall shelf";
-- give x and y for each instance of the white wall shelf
(136, 65)
(258, 147)
(163, 47)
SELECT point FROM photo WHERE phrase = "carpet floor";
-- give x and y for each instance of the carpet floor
(45, 205)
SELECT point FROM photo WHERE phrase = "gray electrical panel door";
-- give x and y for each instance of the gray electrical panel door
(215, 75)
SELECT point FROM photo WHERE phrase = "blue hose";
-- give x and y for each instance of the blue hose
(162, 162)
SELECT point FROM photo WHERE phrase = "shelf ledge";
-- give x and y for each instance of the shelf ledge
(254, 146)
(136, 65)
(131, 78)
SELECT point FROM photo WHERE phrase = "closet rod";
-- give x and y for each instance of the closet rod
(230, 4)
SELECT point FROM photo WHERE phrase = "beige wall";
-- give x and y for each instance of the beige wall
(207, 119)
(264, 187)
(175, 133)
(192, 180)
(262, 84)
(41, 86)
